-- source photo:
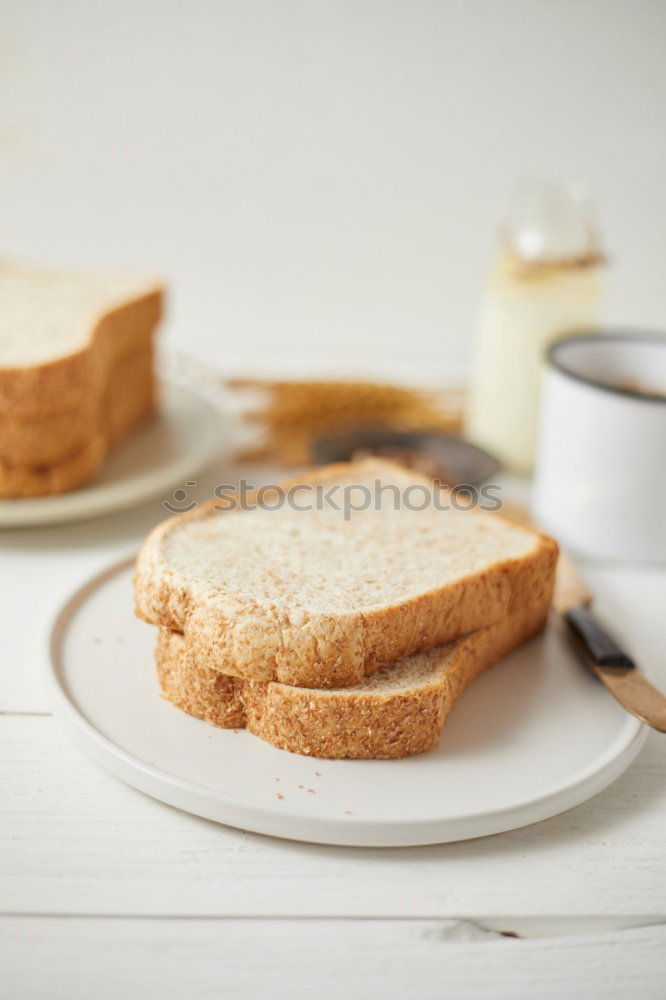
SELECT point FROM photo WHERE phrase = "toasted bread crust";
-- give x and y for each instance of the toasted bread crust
(340, 723)
(244, 639)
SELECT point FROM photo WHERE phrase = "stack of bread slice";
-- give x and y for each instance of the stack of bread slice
(76, 373)
(341, 615)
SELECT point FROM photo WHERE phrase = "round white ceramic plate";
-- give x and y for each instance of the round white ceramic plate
(183, 438)
(532, 737)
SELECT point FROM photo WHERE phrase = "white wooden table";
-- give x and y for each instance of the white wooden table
(106, 893)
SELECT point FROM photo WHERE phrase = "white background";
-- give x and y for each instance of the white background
(321, 180)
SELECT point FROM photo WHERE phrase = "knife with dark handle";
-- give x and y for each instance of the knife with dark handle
(597, 648)
(615, 669)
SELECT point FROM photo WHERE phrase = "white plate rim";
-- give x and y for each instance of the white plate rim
(99, 499)
(293, 823)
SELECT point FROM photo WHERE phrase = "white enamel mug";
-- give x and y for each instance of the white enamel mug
(600, 477)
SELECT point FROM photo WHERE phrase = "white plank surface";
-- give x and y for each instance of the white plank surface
(288, 959)
(74, 840)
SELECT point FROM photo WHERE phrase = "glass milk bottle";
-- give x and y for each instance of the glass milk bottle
(545, 283)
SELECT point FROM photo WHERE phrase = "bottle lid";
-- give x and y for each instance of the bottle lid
(552, 222)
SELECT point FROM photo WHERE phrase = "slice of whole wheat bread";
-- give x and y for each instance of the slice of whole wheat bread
(400, 710)
(316, 599)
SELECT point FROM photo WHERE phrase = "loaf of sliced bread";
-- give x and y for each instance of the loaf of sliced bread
(322, 597)
(76, 373)
(50, 439)
(400, 710)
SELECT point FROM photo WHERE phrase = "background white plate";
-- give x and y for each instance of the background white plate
(183, 438)
(534, 736)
